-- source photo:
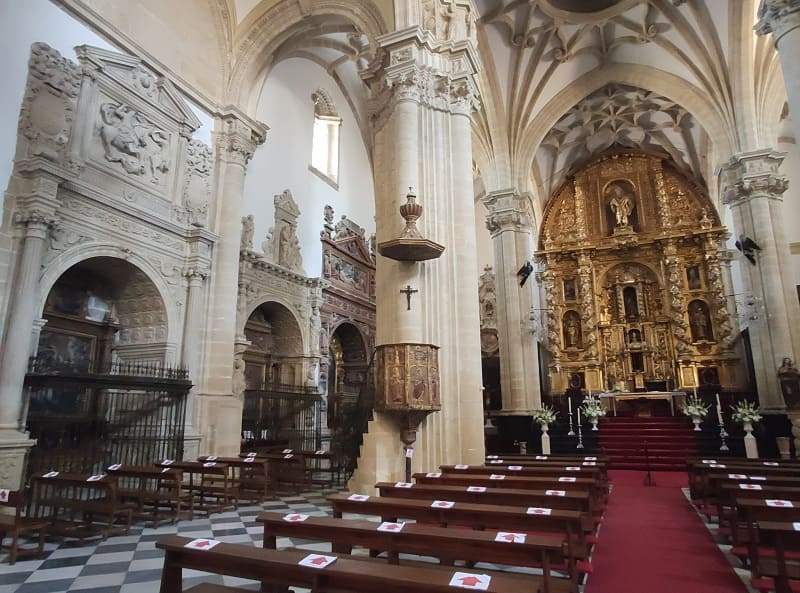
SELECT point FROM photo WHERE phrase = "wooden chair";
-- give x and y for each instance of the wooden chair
(15, 525)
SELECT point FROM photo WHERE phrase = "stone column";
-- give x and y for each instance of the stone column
(753, 189)
(421, 99)
(509, 222)
(235, 139)
(192, 355)
(782, 19)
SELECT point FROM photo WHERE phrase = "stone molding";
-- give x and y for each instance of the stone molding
(508, 211)
(777, 17)
(753, 174)
(239, 137)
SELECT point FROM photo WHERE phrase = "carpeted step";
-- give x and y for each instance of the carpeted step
(668, 442)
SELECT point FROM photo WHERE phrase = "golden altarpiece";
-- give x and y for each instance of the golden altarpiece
(632, 264)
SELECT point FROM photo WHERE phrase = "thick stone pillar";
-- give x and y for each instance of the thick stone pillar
(421, 102)
(510, 224)
(782, 19)
(753, 189)
(220, 414)
(191, 356)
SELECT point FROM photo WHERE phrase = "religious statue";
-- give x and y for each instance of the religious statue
(698, 321)
(572, 332)
(248, 228)
(622, 205)
(705, 221)
(238, 385)
(787, 368)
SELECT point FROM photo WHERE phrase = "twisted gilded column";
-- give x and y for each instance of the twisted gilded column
(509, 223)
(753, 189)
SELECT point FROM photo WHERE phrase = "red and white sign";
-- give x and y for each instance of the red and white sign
(718, 465)
(497, 477)
(476, 488)
(771, 463)
(737, 476)
(320, 452)
(511, 538)
(574, 468)
(168, 462)
(165, 470)
(796, 526)
(317, 560)
(590, 458)
(358, 497)
(95, 478)
(251, 454)
(114, 467)
(461, 466)
(295, 518)
(514, 468)
(403, 484)
(567, 479)
(750, 486)
(288, 456)
(492, 456)
(4, 495)
(775, 502)
(758, 477)
(391, 527)
(249, 459)
(467, 580)
(211, 458)
(433, 475)
(541, 457)
(202, 544)
(589, 463)
(442, 504)
(555, 492)
(286, 451)
(709, 461)
(210, 464)
(50, 475)
(539, 511)
(496, 461)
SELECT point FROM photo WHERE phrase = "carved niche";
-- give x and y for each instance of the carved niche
(281, 245)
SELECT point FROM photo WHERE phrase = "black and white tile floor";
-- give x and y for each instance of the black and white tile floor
(132, 564)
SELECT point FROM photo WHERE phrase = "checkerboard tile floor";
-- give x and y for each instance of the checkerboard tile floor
(132, 564)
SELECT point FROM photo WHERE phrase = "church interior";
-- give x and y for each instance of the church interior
(266, 263)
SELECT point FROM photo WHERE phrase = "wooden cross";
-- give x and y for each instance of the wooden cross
(408, 291)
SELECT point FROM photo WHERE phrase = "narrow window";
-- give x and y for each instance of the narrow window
(325, 139)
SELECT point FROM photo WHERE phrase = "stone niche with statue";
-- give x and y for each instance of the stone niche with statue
(637, 281)
(407, 383)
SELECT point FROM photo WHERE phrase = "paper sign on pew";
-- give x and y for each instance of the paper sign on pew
(707, 461)
(771, 463)
(95, 478)
(589, 463)
(114, 467)
(541, 457)
(775, 502)
(590, 458)
(403, 484)
(251, 454)
(509, 537)
(288, 456)
(285, 451)
(492, 456)
(211, 458)
(757, 478)
(391, 527)
(210, 464)
(514, 468)
(461, 466)
(50, 475)
(295, 518)
(433, 475)
(796, 526)
(4, 494)
(249, 459)
(718, 465)
(317, 560)
(750, 486)
(572, 468)
(555, 492)
(358, 497)
(467, 580)
(168, 462)
(442, 504)
(567, 479)
(496, 461)
(539, 511)
(476, 488)
(497, 477)
(737, 476)
(202, 544)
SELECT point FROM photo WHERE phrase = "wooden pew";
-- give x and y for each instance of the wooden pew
(207, 480)
(157, 493)
(569, 524)
(76, 504)
(729, 491)
(713, 482)
(560, 498)
(250, 475)
(283, 468)
(539, 551)
(592, 472)
(776, 572)
(750, 511)
(698, 471)
(346, 574)
(544, 461)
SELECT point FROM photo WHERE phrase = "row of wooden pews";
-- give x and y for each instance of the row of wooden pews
(757, 506)
(549, 526)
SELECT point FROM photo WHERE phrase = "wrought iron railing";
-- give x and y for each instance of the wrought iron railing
(289, 414)
(125, 368)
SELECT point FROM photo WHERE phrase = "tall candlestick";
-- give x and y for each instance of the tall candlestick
(569, 404)
(579, 416)
(694, 389)
(717, 394)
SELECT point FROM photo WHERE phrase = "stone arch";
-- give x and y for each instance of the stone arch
(79, 253)
(664, 83)
(262, 34)
(276, 351)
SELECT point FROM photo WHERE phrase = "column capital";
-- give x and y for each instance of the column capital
(508, 211)
(197, 274)
(35, 221)
(237, 136)
(777, 17)
(752, 174)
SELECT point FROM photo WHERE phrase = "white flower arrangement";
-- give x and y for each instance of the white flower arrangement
(694, 406)
(546, 415)
(745, 411)
(592, 408)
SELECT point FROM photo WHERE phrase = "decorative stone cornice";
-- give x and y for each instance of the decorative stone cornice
(778, 17)
(753, 174)
(508, 211)
(239, 136)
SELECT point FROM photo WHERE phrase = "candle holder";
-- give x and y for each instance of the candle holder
(580, 437)
(571, 432)
(723, 435)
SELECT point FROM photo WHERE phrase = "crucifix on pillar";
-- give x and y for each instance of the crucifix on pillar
(408, 291)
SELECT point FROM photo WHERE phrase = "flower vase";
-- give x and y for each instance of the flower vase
(594, 423)
(696, 420)
(545, 439)
(750, 445)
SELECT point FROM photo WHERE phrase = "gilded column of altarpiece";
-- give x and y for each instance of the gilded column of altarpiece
(629, 254)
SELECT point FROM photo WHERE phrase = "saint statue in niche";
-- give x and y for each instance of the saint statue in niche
(569, 289)
(631, 302)
(699, 321)
(621, 203)
(572, 330)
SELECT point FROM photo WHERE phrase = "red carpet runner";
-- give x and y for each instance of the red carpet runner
(652, 541)
(670, 441)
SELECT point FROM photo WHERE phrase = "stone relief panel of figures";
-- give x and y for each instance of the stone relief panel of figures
(645, 284)
(487, 297)
(281, 246)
